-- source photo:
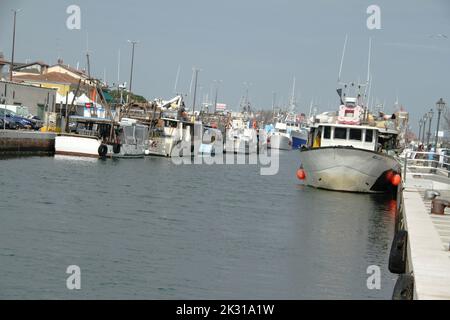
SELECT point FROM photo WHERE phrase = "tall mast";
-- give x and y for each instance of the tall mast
(342, 59)
(176, 80)
(293, 102)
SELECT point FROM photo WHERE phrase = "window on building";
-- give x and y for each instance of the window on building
(327, 132)
(369, 136)
(340, 133)
(355, 134)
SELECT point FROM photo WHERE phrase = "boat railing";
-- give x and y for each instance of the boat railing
(87, 132)
(425, 163)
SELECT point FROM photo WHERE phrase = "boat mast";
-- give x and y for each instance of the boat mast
(176, 80)
(342, 59)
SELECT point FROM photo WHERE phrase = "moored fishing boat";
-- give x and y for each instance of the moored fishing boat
(350, 157)
(280, 138)
(85, 137)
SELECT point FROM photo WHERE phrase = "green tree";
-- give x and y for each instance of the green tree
(133, 97)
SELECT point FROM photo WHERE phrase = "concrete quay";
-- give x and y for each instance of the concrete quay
(21, 142)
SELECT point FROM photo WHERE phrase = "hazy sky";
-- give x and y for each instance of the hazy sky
(262, 42)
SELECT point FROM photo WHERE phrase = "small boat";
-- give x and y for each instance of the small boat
(99, 137)
(171, 135)
(240, 139)
(212, 141)
(298, 133)
(280, 138)
(131, 142)
(86, 136)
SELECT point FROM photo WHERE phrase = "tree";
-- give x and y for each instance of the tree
(133, 97)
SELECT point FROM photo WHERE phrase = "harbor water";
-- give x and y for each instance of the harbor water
(150, 229)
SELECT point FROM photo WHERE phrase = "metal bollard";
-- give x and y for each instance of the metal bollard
(438, 206)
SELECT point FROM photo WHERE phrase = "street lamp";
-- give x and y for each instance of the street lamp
(13, 45)
(424, 119)
(430, 118)
(420, 129)
(440, 105)
(133, 43)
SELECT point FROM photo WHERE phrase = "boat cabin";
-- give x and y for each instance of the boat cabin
(132, 133)
(90, 126)
(361, 137)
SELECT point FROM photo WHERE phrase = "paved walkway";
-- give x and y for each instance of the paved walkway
(429, 237)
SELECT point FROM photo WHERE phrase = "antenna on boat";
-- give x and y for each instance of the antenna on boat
(310, 108)
(293, 102)
(342, 59)
(176, 80)
(118, 68)
(368, 62)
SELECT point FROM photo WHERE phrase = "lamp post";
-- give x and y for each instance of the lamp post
(133, 43)
(440, 105)
(424, 120)
(13, 46)
(430, 118)
(420, 129)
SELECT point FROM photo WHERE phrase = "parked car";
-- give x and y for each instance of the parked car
(16, 121)
(37, 122)
(8, 123)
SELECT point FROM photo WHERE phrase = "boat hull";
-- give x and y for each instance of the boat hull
(77, 145)
(348, 169)
(126, 151)
(299, 139)
(280, 142)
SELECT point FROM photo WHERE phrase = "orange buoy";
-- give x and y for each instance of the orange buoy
(396, 179)
(389, 175)
(301, 174)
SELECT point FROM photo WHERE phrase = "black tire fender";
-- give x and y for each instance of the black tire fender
(398, 254)
(102, 150)
(116, 148)
(404, 288)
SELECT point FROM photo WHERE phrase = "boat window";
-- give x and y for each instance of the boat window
(369, 136)
(128, 132)
(327, 132)
(355, 134)
(340, 133)
(282, 130)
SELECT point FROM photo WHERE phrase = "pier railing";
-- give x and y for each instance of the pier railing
(425, 163)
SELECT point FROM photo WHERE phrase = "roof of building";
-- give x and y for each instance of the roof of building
(68, 68)
(54, 77)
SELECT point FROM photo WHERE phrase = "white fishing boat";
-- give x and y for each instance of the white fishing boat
(352, 151)
(346, 155)
(170, 133)
(131, 141)
(93, 137)
(240, 139)
(85, 137)
(212, 141)
(280, 138)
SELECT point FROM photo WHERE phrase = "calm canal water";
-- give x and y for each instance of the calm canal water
(149, 229)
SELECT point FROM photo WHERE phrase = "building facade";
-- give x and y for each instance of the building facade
(37, 100)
